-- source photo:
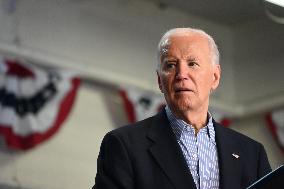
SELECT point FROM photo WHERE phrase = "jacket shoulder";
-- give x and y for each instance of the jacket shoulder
(137, 127)
(242, 140)
(135, 133)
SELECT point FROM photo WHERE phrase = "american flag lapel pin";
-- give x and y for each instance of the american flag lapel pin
(235, 155)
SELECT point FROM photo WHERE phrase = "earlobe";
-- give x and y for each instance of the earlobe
(216, 77)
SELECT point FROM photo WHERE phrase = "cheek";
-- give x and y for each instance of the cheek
(204, 81)
(206, 84)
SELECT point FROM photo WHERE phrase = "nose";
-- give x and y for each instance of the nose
(181, 71)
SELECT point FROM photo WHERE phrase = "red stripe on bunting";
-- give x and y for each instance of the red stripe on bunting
(18, 70)
(273, 129)
(24, 143)
(129, 107)
(226, 122)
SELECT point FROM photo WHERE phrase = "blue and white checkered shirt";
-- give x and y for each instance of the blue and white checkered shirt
(199, 150)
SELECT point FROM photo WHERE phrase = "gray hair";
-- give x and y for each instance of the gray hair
(164, 42)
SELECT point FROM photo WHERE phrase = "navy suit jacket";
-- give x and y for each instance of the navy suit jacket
(146, 155)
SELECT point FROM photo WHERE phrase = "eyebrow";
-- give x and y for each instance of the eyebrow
(174, 58)
(170, 58)
(192, 59)
(167, 58)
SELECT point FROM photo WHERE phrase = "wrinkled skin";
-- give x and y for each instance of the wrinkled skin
(187, 75)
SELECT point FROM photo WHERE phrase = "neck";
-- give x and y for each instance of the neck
(196, 118)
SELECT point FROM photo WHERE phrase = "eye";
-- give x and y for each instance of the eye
(170, 64)
(192, 63)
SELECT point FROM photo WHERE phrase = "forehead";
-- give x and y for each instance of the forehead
(185, 43)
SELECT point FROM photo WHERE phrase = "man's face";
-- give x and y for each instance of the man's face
(187, 74)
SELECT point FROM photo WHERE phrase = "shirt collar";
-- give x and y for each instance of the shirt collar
(178, 126)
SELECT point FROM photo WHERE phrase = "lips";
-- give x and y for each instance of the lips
(182, 89)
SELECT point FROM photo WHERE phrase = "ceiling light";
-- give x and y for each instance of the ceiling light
(275, 10)
(276, 2)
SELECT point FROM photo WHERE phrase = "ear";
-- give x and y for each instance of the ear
(216, 76)
(159, 82)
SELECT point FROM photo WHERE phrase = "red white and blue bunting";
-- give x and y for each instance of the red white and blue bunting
(34, 102)
(140, 104)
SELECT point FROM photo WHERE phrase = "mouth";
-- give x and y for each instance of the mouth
(182, 90)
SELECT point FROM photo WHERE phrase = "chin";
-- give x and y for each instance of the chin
(183, 105)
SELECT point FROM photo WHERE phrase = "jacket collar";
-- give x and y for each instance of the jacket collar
(167, 152)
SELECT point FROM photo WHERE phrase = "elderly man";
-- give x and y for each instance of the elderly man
(181, 147)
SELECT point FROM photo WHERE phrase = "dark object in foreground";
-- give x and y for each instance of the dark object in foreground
(274, 179)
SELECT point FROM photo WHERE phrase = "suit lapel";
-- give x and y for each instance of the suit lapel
(229, 155)
(168, 154)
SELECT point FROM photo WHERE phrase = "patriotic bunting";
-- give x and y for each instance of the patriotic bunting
(140, 104)
(34, 102)
(275, 122)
